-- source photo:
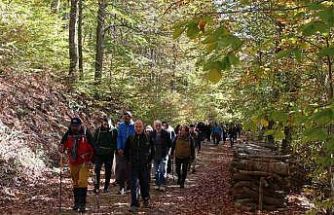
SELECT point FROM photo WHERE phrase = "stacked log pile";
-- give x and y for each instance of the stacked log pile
(261, 177)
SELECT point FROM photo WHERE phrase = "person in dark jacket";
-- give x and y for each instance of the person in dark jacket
(138, 152)
(78, 143)
(105, 138)
(183, 150)
(162, 143)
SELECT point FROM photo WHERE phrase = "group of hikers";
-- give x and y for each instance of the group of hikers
(135, 148)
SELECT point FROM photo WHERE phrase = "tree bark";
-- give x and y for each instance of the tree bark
(100, 41)
(81, 71)
(73, 48)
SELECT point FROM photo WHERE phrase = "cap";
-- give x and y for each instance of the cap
(128, 113)
(75, 121)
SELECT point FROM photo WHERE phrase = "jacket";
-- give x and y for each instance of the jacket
(124, 131)
(138, 150)
(105, 141)
(79, 147)
(161, 148)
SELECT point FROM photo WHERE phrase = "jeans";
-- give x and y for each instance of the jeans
(182, 169)
(122, 170)
(107, 161)
(139, 174)
(160, 167)
(216, 138)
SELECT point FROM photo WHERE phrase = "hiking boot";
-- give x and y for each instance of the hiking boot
(106, 189)
(133, 209)
(82, 200)
(76, 199)
(156, 187)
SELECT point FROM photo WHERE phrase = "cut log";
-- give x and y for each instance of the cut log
(277, 167)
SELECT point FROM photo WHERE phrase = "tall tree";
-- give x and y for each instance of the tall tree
(100, 40)
(73, 46)
(80, 39)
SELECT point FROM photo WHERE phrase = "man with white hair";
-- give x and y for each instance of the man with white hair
(138, 151)
(162, 143)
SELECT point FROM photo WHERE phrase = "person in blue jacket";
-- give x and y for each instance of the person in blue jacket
(216, 133)
(125, 129)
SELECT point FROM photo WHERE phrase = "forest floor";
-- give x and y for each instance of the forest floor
(206, 192)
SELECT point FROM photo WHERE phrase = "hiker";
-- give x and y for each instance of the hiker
(105, 138)
(232, 133)
(200, 128)
(125, 129)
(183, 150)
(148, 131)
(138, 152)
(216, 133)
(172, 134)
(195, 138)
(162, 143)
(78, 144)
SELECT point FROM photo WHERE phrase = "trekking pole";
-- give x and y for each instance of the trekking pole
(61, 165)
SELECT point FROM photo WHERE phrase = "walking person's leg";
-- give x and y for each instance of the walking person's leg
(178, 170)
(108, 167)
(74, 170)
(163, 173)
(83, 184)
(134, 198)
(98, 166)
(185, 164)
(157, 173)
(144, 186)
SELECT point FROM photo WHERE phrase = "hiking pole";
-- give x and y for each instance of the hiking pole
(60, 179)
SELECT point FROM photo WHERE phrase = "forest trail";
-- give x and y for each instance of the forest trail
(207, 192)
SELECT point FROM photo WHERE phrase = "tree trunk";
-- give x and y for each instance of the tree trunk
(100, 41)
(73, 48)
(80, 40)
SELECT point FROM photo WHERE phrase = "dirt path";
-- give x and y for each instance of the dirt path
(206, 192)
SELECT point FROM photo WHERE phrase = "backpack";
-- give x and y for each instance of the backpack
(105, 148)
(183, 148)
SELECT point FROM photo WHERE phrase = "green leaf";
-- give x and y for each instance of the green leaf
(283, 54)
(323, 116)
(214, 76)
(192, 30)
(178, 31)
(327, 16)
(314, 27)
(326, 52)
(279, 116)
(233, 59)
(315, 134)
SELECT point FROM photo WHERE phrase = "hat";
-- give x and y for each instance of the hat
(127, 113)
(76, 121)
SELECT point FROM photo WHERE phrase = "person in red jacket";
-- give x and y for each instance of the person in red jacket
(78, 144)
